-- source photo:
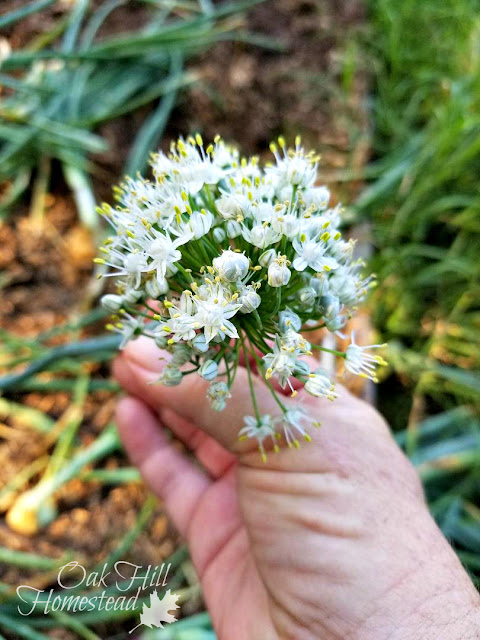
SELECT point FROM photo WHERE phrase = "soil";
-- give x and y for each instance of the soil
(248, 94)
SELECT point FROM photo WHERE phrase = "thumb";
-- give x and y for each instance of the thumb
(138, 368)
(350, 428)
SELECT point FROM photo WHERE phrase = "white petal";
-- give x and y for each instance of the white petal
(300, 264)
(230, 329)
(210, 332)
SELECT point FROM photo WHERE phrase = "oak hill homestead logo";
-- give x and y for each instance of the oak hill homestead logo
(122, 587)
(157, 612)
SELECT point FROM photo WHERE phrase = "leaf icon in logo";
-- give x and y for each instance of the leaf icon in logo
(157, 612)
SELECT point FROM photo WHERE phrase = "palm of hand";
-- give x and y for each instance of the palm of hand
(268, 539)
(249, 524)
(234, 592)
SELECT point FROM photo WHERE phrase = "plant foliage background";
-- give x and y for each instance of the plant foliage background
(392, 100)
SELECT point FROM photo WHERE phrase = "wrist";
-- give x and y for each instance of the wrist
(448, 616)
(434, 601)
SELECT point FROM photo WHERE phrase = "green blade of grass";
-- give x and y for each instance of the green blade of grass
(16, 15)
(153, 127)
(75, 21)
(82, 190)
(124, 545)
(21, 628)
(32, 561)
(123, 475)
(72, 350)
(26, 416)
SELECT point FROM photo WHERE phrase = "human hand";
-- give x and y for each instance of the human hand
(333, 541)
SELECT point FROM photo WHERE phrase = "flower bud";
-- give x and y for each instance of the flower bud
(200, 223)
(160, 340)
(154, 288)
(171, 376)
(278, 272)
(288, 320)
(286, 224)
(319, 285)
(199, 343)
(261, 236)
(203, 292)
(208, 370)
(317, 197)
(219, 234)
(217, 393)
(250, 300)
(234, 228)
(229, 207)
(181, 354)
(307, 297)
(334, 323)
(267, 257)
(111, 302)
(302, 368)
(329, 305)
(231, 266)
(132, 296)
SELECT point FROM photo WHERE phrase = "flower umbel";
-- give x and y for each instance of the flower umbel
(217, 258)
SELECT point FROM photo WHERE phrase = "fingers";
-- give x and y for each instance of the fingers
(138, 368)
(348, 423)
(180, 484)
(208, 451)
(169, 474)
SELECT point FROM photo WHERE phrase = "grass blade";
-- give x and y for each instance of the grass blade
(19, 14)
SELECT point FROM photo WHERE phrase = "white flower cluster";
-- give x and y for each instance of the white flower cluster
(216, 256)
